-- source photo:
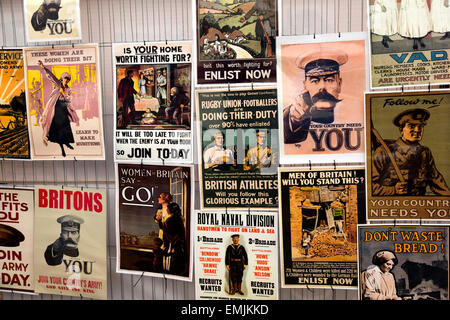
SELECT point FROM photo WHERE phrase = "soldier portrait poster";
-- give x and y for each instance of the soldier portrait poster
(153, 220)
(153, 102)
(409, 42)
(408, 172)
(403, 262)
(14, 141)
(52, 20)
(238, 154)
(319, 213)
(235, 41)
(16, 239)
(236, 255)
(321, 97)
(70, 241)
(65, 113)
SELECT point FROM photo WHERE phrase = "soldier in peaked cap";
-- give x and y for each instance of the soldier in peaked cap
(236, 260)
(414, 161)
(322, 86)
(9, 236)
(67, 243)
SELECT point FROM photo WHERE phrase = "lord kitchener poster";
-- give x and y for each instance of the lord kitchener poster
(70, 242)
(321, 90)
(52, 20)
(65, 120)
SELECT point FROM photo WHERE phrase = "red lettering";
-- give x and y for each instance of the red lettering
(77, 200)
(88, 201)
(43, 202)
(98, 207)
(53, 199)
(61, 198)
(68, 193)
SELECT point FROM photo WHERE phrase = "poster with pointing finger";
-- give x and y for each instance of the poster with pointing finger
(321, 89)
(70, 242)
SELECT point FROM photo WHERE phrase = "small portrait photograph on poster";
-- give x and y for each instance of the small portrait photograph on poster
(409, 42)
(14, 140)
(408, 172)
(403, 262)
(153, 220)
(236, 41)
(319, 212)
(52, 20)
(238, 154)
(321, 93)
(236, 255)
(153, 101)
(70, 242)
(16, 239)
(63, 87)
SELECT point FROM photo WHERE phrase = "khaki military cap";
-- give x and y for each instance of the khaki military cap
(418, 115)
(321, 61)
(70, 222)
(9, 236)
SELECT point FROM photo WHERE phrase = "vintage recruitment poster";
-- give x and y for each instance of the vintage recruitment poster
(65, 113)
(235, 41)
(52, 20)
(319, 213)
(236, 255)
(409, 42)
(153, 220)
(403, 262)
(407, 155)
(153, 99)
(321, 91)
(70, 241)
(14, 141)
(16, 239)
(238, 154)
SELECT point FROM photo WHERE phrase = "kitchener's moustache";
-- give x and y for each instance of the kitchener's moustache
(53, 6)
(324, 95)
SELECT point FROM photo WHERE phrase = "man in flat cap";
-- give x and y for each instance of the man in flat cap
(67, 243)
(322, 86)
(236, 261)
(414, 167)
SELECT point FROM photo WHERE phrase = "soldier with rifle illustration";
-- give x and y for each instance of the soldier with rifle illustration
(405, 167)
